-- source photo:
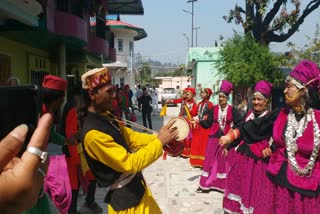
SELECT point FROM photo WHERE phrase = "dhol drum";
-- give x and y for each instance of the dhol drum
(175, 148)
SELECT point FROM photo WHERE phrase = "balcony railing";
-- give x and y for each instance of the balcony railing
(97, 45)
(66, 24)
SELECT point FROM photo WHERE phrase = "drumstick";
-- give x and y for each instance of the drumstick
(136, 125)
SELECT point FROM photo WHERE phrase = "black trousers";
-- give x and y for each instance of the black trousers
(146, 114)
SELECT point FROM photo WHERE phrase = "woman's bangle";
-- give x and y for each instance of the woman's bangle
(231, 135)
(236, 133)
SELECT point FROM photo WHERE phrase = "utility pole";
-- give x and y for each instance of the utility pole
(187, 40)
(196, 28)
(192, 16)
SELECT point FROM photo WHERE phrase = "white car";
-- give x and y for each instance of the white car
(168, 94)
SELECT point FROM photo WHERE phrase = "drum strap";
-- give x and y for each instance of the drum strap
(124, 179)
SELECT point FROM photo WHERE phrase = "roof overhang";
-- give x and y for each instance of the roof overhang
(116, 65)
(126, 7)
(141, 33)
(23, 11)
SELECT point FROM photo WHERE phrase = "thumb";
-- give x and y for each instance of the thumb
(11, 144)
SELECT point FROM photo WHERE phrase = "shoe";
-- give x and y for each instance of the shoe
(94, 207)
(200, 190)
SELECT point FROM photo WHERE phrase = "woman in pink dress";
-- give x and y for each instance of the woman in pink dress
(294, 166)
(248, 171)
(215, 163)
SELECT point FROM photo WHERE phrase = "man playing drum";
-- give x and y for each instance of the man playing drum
(108, 147)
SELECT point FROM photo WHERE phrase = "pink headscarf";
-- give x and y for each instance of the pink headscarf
(226, 87)
(307, 73)
(264, 87)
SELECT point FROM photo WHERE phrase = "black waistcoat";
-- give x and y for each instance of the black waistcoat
(122, 198)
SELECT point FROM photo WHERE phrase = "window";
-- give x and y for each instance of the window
(37, 77)
(120, 45)
(121, 81)
(131, 47)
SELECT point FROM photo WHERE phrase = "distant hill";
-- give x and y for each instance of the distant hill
(158, 66)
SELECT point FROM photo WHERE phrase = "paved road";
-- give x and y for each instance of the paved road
(173, 183)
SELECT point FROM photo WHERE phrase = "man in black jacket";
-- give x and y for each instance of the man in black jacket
(145, 107)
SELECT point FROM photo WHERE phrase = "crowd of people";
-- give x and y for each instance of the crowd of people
(262, 161)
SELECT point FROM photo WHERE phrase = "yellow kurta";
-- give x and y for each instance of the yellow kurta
(148, 148)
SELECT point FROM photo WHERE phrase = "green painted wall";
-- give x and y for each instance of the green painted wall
(23, 59)
(204, 73)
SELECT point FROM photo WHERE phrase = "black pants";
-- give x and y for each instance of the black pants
(146, 114)
(91, 192)
(90, 197)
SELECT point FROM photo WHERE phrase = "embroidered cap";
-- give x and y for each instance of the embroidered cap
(226, 87)
(264, 87)
(307, 73)
(54, 82)
(95, 77)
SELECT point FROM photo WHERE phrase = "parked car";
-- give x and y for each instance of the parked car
(168, 94)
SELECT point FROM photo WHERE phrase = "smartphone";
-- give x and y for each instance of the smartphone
(19, 105)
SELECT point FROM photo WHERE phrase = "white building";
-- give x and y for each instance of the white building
(178, 83)
(123, 36)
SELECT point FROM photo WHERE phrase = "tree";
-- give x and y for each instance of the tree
(310, 51)
(275, 25)
(143, 74)
(244, 62)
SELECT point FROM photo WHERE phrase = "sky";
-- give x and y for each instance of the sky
(165, 22)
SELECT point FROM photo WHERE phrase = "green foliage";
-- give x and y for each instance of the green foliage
(244, 62)
(310, 51)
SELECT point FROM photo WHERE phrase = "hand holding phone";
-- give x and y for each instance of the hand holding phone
(19, 105)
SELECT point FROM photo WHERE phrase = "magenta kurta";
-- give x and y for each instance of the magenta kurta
(214, 166)
(247, 177)
(295, 194)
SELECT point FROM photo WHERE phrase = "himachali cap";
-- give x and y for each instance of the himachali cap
(307, 73)
(264, 87)
(226, 87)
(190, 90)
(208, 91)
(95, 77)
(54, 82)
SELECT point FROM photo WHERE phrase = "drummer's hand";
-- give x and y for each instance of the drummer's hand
(193, 123)
(266, 152)
(224, 140)
(168, 101)
(167, 134)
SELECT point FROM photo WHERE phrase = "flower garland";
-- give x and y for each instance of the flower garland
(293, 132)
(222, 117)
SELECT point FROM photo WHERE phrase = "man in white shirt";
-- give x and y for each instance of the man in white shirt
(154, 96)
